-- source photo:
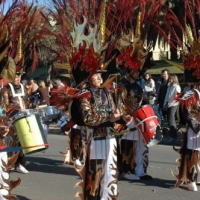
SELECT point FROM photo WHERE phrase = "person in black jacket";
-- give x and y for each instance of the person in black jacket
(161, 91)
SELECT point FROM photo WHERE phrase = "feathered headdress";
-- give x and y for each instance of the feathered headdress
(181, 24)
(191, 54)
(84, 37)
(6, 72)
(28, 28)
(87, 57)
(132, 26)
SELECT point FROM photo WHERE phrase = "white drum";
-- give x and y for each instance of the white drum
(26, 112)
(49, 113)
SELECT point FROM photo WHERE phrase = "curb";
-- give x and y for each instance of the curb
(54, 129)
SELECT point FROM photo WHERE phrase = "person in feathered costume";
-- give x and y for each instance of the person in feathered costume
(98, 114)
(132, 61)
(185, 20)
(6, 185)
(14, 97)
(95, 109)
(6, 162)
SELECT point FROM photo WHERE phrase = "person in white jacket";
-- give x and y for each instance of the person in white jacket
(171, 105)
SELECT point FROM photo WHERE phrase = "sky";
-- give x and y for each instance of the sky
(9, 2)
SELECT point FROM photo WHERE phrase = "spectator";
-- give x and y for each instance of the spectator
(32, 87)
(149, 83)
(44, 93)
(44, 100)
(50, 85)
(57, 83)
(189, 86)
(161, 90)
(149, 88)
(171, 104)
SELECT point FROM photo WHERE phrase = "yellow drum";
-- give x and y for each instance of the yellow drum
(31, 134)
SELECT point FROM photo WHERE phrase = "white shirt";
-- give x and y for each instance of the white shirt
(149, 86)
(193, 140)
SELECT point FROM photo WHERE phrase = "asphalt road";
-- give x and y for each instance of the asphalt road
(51, 179)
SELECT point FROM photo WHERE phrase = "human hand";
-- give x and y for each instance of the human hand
(114, 117)
(127, 119)
(22, 109)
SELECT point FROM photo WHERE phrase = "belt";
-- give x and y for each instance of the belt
(103, 138)
(133, 129)
(99, 137)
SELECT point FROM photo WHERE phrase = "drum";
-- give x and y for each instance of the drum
(147, 123)
(49, 113)
(19, 114)
(42, 113)
(31, 134)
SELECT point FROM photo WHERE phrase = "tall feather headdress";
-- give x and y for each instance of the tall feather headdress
(181, 24)
(7, 66)
(132, 27)
(83, 29)
(28, 28)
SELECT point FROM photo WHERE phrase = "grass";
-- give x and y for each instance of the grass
(160, 65)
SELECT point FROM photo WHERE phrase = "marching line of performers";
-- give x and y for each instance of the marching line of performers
(102, 133)
(108, 136)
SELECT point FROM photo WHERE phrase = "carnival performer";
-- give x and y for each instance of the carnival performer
(189, 168)
(189, 107)
(97, 110)
(62, 98)
(134, 152)
(14, 100)
(130, 96)
(6, 185)
(77, 133)
(98, 115)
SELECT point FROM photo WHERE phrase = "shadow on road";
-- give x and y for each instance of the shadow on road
(23, 198)
(47, 165)
(155, 182)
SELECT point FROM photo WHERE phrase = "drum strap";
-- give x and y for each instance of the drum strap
(18, 95)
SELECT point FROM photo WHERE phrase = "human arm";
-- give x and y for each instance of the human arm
(93, 118)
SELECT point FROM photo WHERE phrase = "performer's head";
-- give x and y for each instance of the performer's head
(96, 80)
(18, 74)
(133, 76)
(17, 79)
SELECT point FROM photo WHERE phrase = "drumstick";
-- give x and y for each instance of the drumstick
(42, 106)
